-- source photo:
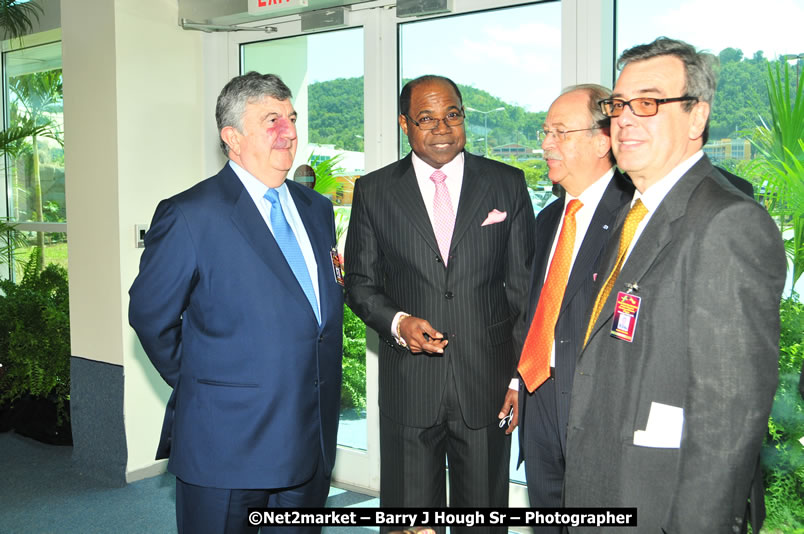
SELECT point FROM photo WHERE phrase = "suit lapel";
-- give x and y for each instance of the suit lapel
(409, 198)
(597, 235)
(246, 217)
(657, 235)
(473, 190)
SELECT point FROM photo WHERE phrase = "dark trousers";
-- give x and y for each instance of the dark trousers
(203, 510)
(412, 467)
(544, 461)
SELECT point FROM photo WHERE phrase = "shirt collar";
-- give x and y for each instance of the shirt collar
(591, 195)
(654, 195)
(255, 188)
(453, 168)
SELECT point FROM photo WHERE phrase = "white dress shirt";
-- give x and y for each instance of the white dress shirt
(654, 195)
(590, 198)
(256, 190)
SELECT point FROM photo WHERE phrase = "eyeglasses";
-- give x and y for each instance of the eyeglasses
(641, 107)
(561, 135)
(453, 118)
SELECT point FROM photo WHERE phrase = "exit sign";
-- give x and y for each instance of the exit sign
(263, 7)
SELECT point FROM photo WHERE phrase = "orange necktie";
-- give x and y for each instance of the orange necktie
(632, 220)
(534, 365)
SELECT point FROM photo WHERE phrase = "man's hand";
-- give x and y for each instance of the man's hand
(511, 402)
(413, 330)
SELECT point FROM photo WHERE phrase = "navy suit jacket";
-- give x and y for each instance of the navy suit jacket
(256, 380)
(578, 295)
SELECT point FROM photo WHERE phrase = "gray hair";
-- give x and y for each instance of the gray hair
(241, 90)
(596, 93)
(700, 68)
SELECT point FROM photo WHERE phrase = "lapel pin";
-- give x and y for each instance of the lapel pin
(605, 226)
(632, 288)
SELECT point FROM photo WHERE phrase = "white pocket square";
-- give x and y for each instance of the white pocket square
(664, 428)
(495, 216)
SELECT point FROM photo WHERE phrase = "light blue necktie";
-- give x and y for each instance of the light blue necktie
(290, 248)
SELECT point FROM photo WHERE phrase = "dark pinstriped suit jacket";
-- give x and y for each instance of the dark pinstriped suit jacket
(392, 264)
(580, 292)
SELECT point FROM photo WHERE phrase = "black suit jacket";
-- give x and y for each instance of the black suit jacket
(580, 291)
(393, 264)
(710, 267)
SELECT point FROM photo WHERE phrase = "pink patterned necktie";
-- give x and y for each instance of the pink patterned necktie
(443, 214)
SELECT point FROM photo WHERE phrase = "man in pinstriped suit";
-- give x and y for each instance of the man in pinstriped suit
(451, 321)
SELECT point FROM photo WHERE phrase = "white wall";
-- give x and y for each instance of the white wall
(135, 119)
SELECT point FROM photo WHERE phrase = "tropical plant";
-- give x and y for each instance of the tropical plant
(782, 454)
(35, 338)
(342, 216)
(10, 240)
(353, 391)
(36, 97)
(16, 17)
(325, 172)
(781, 160)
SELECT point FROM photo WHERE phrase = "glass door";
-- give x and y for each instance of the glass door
(325, 72)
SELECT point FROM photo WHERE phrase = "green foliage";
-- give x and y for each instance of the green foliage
(325, 173)
(16, 18)
(336, 118)
(342, 216)
(10, 241)
(741, 97)
(35, 335)
(781, 163)
(353, 391)
(782, 454)
(336, 113)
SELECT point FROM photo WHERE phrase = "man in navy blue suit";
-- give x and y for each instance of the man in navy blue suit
(239, 307)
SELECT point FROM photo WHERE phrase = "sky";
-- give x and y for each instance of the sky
(488, 50)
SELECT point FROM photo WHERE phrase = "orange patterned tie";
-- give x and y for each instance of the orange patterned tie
(635, 216)
(534, 365)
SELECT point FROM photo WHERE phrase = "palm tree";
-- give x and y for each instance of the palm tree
(781, 145)
(16, 18)
(36, 96)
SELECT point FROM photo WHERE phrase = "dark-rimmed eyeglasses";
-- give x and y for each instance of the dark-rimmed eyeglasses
(641, 107)
(453, 118)
(561, 135)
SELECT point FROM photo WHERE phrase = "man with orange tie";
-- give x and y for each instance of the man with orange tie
(673, 389)
(571, 234)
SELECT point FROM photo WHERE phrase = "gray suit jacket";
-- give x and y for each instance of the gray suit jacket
(710, 269)
(393, 264)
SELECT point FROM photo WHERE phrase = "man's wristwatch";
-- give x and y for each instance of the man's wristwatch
(399, 339)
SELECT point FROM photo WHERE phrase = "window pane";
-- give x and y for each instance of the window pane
(33, 95)
(328, 96)
(34, 169)
(746, 46)
(507, 64)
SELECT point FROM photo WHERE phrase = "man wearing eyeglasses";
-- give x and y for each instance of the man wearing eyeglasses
(437, 262)
(571, 234)
(673, 389)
